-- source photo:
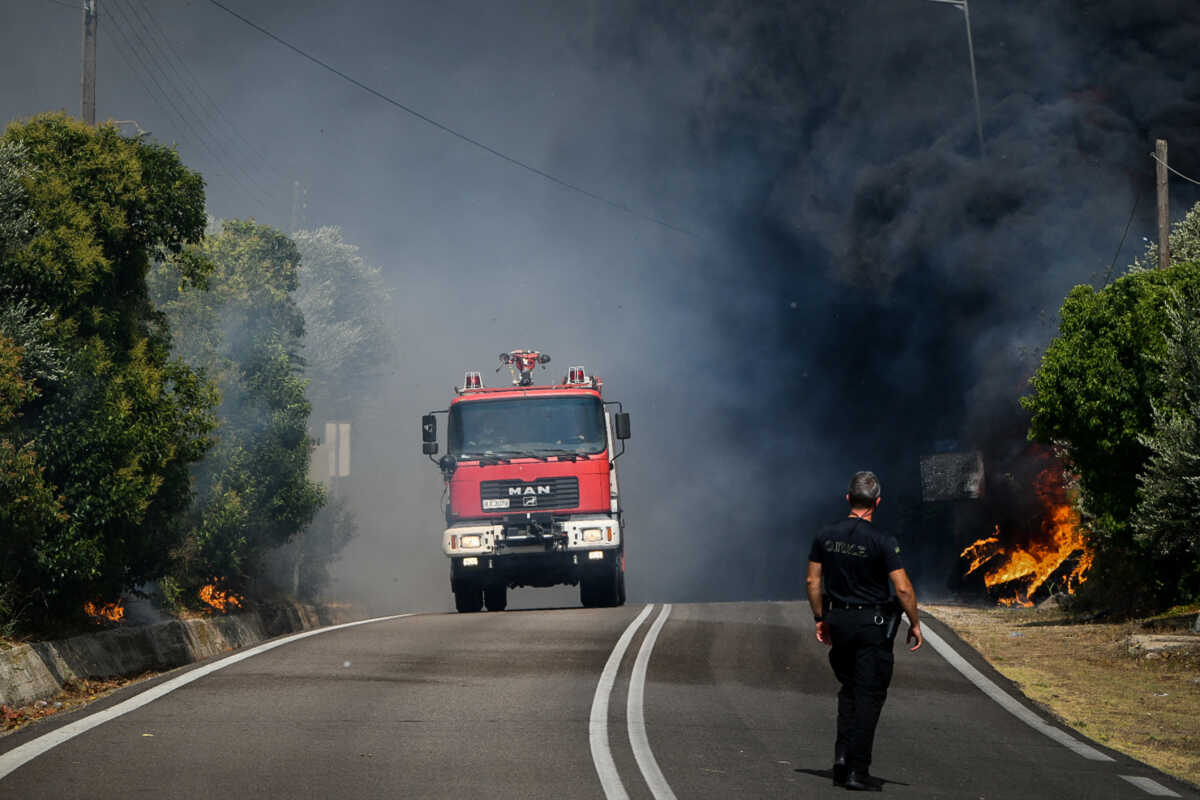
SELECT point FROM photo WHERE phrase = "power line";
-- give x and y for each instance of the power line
(119, 26)
(1108, 275)
(447, 129)
(191, 90)
(1172, 169)
(203, 95)
(199, 131)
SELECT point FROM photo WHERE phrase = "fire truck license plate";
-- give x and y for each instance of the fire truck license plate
(498, 503)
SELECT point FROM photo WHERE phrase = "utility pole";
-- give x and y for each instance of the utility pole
(87, 106)
(962, 6)
(299, 204)
(1164, 205)
(974, 83)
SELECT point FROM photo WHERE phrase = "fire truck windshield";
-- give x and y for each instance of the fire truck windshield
(527, 426)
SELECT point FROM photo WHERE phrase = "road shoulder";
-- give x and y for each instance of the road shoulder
(1083, 679)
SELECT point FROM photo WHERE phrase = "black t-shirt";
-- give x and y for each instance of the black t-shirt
(855, 560)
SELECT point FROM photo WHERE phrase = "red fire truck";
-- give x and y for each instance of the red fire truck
(532, 493)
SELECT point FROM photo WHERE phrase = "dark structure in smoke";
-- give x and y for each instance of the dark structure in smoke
(912, 283)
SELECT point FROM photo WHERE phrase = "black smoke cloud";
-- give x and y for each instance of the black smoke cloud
(914, 282)
(859, 285)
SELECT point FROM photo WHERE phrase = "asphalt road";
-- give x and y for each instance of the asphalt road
(736, 700)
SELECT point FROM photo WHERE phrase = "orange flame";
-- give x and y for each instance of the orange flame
(1027, 569)
(113, 612)
(218, 598)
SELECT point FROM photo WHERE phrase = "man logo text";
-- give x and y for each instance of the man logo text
(521, 491)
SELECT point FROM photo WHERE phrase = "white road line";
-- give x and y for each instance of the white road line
(32, 749)
(635, 714)
(1008, 702)
(598, 721)
(1149, 786)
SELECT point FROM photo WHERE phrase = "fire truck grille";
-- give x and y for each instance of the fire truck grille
(535, 495)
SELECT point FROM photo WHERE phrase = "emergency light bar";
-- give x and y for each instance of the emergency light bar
(577, 375)
(472, 380)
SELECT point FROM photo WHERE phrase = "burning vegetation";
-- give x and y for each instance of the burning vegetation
(219, 599)
(101, 612)
(1050, 555)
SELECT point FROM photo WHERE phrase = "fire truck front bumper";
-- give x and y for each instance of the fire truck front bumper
(544, 554)
(542, 568)
(594, 532)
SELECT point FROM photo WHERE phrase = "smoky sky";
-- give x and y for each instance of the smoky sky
(858, 286)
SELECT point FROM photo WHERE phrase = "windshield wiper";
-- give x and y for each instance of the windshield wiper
(509, 455)
(482, 458)
(570, 455)
(496, 456)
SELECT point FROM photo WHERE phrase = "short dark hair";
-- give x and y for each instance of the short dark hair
(864, 489)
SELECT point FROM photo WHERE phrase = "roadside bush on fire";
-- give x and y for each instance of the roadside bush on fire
(153, 409)
(1117, 393)
(98, 424)
(244, 329)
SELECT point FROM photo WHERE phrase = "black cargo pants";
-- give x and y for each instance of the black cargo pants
(862, 660)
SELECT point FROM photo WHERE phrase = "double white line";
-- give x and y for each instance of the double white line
(635, 717)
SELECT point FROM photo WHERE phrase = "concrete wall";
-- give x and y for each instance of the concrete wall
(38, 671)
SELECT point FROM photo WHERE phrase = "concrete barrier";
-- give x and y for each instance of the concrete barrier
(38, 671)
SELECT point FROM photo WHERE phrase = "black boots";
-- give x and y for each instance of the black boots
(861, 781)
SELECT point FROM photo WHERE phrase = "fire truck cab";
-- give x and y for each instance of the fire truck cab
(532, 497)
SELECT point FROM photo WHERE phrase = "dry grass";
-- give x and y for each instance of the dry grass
(1087, 675)
(74, 695)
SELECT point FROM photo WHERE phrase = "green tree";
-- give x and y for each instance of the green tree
(109, 423)
(16, 220)
(1166, 518)
(244, 329)
(347, 348)
(1093, 400)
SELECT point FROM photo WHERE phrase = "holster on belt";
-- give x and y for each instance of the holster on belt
(892, 615)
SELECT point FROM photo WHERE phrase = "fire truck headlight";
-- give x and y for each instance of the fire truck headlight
(593, 535)
(470, 562)
(596, 555)
(471, 540)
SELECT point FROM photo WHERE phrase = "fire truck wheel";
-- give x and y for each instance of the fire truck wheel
(602, 589)
(587, 593)
(495, 597)
(468, 598)
(621, 589)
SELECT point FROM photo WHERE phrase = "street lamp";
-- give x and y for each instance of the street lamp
(140, 133)
(971, 52)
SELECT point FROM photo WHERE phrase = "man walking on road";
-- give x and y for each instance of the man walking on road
(857, 616)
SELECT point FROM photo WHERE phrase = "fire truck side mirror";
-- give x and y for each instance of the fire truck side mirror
(622, 425)
(429, 448)
(429, 429)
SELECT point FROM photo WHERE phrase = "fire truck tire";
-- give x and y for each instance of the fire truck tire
(621, 589)
(495, 597)
(468, 599)
(603, 589)
(587, 593)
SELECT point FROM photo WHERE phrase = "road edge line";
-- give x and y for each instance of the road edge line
(602, 758)
(23, 754)
(1150, 786)
(635, 718)
(1008, 702)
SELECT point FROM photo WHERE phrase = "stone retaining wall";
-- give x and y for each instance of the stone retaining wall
(38, 671)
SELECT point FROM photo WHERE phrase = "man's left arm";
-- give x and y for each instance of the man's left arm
(813, 583)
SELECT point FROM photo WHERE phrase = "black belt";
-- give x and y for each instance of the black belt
(881, 607)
